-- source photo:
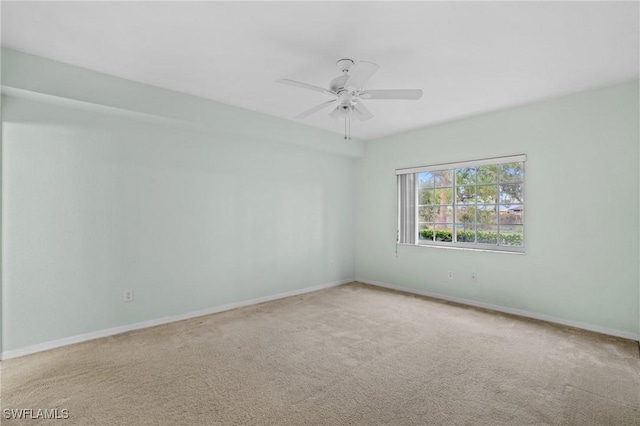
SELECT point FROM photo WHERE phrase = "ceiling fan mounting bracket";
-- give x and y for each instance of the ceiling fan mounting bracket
(345, 65)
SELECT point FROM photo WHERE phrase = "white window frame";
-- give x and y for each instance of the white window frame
(458, 165)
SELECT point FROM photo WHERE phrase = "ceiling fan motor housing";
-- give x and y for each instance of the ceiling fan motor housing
(347, 100)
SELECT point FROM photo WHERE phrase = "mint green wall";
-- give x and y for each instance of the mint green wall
(582, 210)
(100, 198)
(110, 184)
(32, 76)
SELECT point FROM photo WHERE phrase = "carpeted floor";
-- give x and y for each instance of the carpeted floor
(349, 355)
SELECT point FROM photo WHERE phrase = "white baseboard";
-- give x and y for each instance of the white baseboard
(514, 311)
(52, 344)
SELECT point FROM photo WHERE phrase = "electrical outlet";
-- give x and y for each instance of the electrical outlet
(332, 264)
(474, 277)
(128, 295)
(450, 275)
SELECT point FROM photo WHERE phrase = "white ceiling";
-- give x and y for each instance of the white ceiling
(469, 58)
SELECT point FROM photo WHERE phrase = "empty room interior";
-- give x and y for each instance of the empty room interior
(320, 213)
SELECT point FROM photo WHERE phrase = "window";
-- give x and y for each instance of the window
(474, 204)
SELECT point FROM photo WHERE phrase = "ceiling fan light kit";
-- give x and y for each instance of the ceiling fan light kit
(348, 94)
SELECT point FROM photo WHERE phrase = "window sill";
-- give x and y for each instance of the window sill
(481, 249)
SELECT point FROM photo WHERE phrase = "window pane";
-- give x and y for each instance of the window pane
(511, 214)
(511, 235)
(444, 232)
(487, 215)
(488, 174)
(426, 196)
(427, 214)
(466, 232)
(487, 234)
(443, 214)
(487, 194)
(465, 214)
(444, 196)
(466, 176)
(512, 172)
(511, 193)
(425, 180)
(466, 195)
(486, 226)
(442, 177)
(425, 232)
(481, 205)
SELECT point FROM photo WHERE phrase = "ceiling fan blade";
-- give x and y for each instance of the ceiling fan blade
(410, 94)
(305, 86)
(363, 113)
(316, 108)
(361, 74)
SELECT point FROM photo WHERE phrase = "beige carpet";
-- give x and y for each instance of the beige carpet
(350, 355)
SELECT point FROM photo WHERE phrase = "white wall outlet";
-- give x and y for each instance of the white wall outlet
(332, 264)
(128, 295)
(474, 277)
(450, 275)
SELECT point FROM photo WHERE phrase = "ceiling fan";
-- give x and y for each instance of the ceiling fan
(348, 93)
